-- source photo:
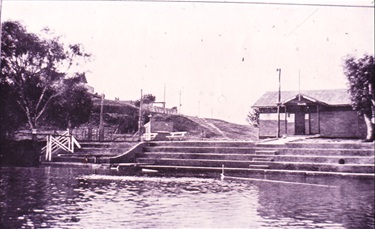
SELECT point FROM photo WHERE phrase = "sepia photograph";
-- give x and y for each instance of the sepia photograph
(187, 114)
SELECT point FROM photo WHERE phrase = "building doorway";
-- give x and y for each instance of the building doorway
(299, 123)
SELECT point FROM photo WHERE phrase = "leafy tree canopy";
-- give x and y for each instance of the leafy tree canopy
(37, 71)
(147, 99)
(72, 108)
(253, 117)
(360, 74)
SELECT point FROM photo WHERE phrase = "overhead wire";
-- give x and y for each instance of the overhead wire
(223, 2)
(299, 25)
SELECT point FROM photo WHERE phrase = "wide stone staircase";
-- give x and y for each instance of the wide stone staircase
(229, 157)
(248, 157)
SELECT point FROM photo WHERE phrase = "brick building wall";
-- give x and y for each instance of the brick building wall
(345, 124)
(338, 124)
(314, 123)
(268, 128)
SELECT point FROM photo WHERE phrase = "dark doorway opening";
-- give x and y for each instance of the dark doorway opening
(299, 123)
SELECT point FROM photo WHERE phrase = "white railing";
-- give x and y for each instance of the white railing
(148, 136)
(64, 141)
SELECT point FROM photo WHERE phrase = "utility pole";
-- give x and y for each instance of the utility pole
(278, 104)
(101, 122)
(1, 26)
(164, 98)
(140, 117)
(299, 86)
(180, 103)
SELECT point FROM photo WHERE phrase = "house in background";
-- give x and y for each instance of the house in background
(324, 112)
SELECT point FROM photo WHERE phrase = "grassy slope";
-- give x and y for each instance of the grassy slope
(235, 131)
(212, 128)
(196, 127)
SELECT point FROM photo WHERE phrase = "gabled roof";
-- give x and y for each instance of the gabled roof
(333, 97)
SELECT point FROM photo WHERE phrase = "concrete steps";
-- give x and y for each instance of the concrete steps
(263, 149)
(251, 157)
(202, 143)
(236, 157)
(332, 145)
(368, 168)
(264, 158)
(93, 152)
(326, 151)
(246, 172)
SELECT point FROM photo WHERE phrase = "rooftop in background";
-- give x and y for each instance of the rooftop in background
(331, 97)
(115, 103)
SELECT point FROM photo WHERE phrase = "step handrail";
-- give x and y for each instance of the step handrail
(61, 136)
(64, 141)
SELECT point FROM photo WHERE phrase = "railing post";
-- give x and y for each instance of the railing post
(69, 141)
(64, 141)
(47, 147)
(50, 150)
(72, 143)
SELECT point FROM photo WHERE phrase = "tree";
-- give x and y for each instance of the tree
(11, 117)
(36, 68)
(73, 107)
(147, 99)
(360, 75)
(253, 117)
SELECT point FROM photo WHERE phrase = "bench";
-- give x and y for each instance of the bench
(177, 136)
(149, 136)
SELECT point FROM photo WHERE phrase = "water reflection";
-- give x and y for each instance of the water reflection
(77, 198)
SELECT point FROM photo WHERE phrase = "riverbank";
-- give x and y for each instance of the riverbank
(294, 155)
(20, 153)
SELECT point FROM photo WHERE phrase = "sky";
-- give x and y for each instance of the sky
(216, 58)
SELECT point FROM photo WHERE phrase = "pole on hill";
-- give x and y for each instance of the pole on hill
(140, 116)
(101, 122)
(180, 104)
(278, 105)
(164, 98)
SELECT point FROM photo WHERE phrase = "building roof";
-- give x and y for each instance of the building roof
(114, 103)
(333, 97)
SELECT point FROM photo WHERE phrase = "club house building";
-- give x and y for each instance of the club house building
(324, 112)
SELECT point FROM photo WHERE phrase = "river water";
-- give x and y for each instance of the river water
(53, 197)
